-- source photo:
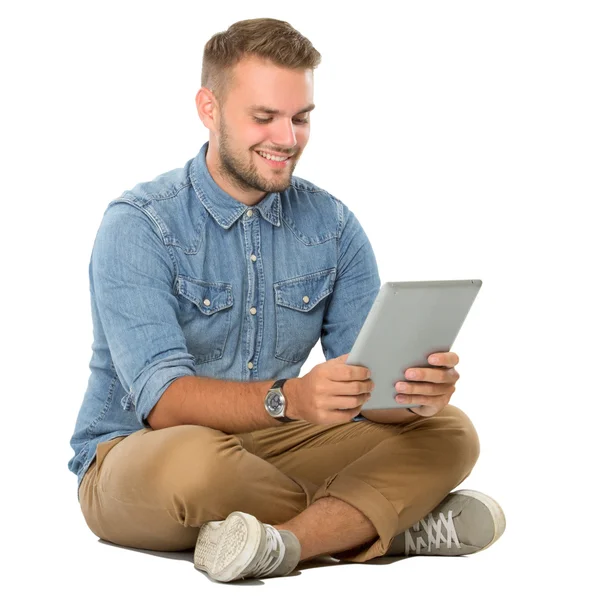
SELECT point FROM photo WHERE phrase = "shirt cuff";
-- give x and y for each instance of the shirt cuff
(153, 384)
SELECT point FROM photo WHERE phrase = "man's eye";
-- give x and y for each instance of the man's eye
(267, 120)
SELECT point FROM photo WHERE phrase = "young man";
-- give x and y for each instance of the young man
(210, 285)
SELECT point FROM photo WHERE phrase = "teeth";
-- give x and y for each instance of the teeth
(271, 157)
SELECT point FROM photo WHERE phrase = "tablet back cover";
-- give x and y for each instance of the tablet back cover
(409, 321)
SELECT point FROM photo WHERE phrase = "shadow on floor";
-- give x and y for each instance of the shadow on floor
(318, 562)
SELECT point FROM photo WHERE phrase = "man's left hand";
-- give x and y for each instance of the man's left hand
(431, 387)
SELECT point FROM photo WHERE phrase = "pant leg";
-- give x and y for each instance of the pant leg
(154, 488)
(395, 474)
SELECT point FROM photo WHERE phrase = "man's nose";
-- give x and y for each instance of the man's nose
(285, 134)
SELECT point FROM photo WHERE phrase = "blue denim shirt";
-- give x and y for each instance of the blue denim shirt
(186, 280)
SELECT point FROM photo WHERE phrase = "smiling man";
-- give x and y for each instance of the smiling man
(210, 285)
(256, 147)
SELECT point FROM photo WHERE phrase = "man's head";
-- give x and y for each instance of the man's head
(256, 64)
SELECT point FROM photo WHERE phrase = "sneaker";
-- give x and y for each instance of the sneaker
(243, 547)
(464, 522)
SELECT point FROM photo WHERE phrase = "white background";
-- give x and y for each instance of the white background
(463, 135)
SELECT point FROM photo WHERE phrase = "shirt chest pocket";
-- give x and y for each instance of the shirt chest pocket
(299, 311)
(205, 316)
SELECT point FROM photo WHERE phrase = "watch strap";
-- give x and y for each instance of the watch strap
(285, 419)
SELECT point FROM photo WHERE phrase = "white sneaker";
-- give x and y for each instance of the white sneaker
(243, 547)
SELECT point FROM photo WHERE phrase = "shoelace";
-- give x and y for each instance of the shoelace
(433, 529)
(272, 555)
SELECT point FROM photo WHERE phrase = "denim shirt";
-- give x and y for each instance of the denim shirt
(186, 280)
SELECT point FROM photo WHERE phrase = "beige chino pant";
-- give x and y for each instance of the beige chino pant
(154, 488)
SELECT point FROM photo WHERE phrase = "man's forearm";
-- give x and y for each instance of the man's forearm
(230, 406)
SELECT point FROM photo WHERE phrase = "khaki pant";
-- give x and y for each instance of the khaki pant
(154, 488)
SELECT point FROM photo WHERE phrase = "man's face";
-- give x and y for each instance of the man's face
(257, 85)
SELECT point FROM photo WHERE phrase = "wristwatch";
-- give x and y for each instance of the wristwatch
(275, 402)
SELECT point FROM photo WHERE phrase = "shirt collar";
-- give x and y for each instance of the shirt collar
(222, 206)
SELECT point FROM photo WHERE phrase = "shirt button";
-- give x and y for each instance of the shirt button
(249, 213)
(206, 302)
(253, 310)
(250, 366)
(253, 257)
(305, 299)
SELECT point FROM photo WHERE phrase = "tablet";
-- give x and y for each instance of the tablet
(407, 323)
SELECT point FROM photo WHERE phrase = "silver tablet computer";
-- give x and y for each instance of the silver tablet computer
(407, 323)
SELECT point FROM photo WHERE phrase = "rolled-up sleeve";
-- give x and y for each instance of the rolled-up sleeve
(356, 287)
(132, 276)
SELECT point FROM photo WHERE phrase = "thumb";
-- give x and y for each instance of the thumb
(343, 357)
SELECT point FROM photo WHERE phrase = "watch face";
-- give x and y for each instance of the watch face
(274, 402)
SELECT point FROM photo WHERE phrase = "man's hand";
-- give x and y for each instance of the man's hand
(430, 387)
(332, 392)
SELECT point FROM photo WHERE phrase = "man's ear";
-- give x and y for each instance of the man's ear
(208, 109)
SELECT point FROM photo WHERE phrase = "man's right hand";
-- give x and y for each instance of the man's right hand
(332, 392)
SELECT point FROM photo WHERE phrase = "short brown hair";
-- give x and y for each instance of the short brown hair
(271, 39)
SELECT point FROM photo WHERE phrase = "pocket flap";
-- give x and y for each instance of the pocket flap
(209, 297)
(304, 292)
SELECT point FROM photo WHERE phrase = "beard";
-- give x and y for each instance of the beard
(244, 174)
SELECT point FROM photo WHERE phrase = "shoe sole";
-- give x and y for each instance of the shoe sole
(495, 510)
(238, 541)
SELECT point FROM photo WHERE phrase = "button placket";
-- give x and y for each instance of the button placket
(250, 233)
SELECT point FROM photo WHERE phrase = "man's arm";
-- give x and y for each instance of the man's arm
(131, 283)
(131, 277)
(356, 286)
(355, 290)
(238, 409)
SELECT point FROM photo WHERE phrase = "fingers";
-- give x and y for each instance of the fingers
(345, 372)
(347, 403)
(343, 416)
(353, 388)
(433, 375)
(353, 372)
(445, 359)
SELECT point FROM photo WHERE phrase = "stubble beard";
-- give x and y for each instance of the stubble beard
(245, 176)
